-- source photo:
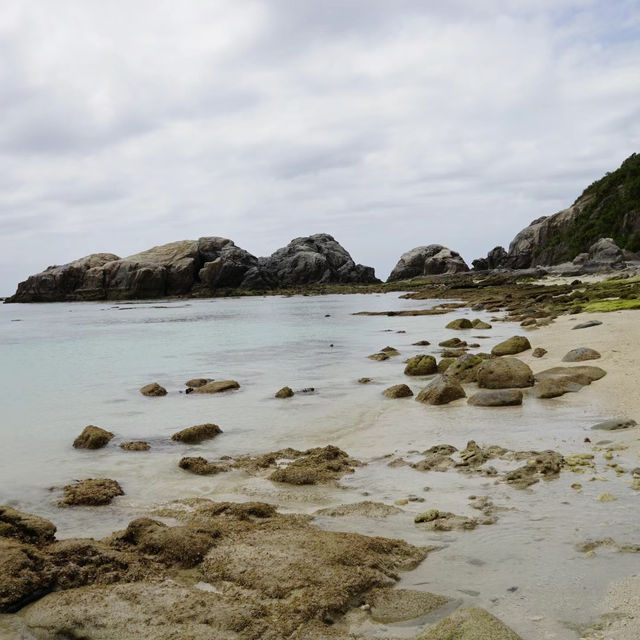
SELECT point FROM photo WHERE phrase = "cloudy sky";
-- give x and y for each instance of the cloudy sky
(387, 123)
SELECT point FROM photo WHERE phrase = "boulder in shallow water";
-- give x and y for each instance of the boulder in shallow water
(504, 373)
(441, 390)
(435, 520)
(511, 346)
(460, 323)
(153, 390)
(421, 365)
(398, 391)
(195, 435)
(480, 324)
(285, 392)
(218, 387)
(200, 466)
(379, 356)
(90, 492)
(92, 437)
(195, 383)
(465, 368)
(469, 624)
(581, 354)
(496, 398)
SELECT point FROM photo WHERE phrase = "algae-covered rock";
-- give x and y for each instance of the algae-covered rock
(460, 323)
(421, 365)
(398, 391)
(366, 508)
(496, 398)
(285, 392)
(504, 373)
(435, 520)
(364, 380)
(379, 356)
(196, 383)
(453, 343)
(397, 605)
(218, 387)
(544, 464)
(444, 364)
(511, 346)
(469, 624)
(421, 343)
(200, 466)
(390, 351)
(153, 390)
(581, 354)
(195, 435)
(92, 437)
(441, 390)
(25, 527)
(90, 492)
(480, 324)
(136, 445)
(315, 466)
(465, 368)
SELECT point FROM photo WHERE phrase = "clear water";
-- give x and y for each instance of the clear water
(64, 366)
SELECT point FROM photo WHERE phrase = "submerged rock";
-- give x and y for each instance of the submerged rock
(379, 356)
(195, 435)
(544, 464)
(366, 508)
(421, 365)
(398, 391)
(504, 373)
(364, 380)
(92, 437)
(218, 387)
(441, 390)
(90, 492)
(511, 346)
(453, 343)
(137, 445)
(469, 624)
(615, 425)
(315, 466)
(153, 390)
(397, 605)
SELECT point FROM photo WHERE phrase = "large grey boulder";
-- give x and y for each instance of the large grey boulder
(607, 253)
(504, 373)
(317, 259)
(433, 259)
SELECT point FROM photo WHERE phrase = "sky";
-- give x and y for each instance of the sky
(387, 123)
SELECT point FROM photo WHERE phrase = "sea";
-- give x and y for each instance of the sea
(64, 366)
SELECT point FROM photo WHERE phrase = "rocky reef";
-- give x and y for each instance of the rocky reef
(194, 267)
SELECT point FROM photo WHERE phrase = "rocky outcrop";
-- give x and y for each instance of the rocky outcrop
(433, 259)
(608, 210)
(314, 259)
(194, 267)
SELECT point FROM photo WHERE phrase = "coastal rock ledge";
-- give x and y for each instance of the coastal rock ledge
(194, 267)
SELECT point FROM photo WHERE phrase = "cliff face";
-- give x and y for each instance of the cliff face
(608, 208)
(199, 267)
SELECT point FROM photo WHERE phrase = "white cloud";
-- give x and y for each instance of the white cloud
(387, 124)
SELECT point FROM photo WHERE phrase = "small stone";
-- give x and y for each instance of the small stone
(586, 325)
(379, 356)
(195, 435)
(285, 392)
(195, 383)
(364, 380)
(137, 445)
(538, 352)
(581, 354)
(218, 387)
(398, 391)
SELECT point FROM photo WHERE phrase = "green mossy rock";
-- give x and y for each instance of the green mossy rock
(460, 323)
(469, 624)
(421, 365)
(511, 346)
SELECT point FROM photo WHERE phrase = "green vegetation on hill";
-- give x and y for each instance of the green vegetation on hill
(611, 209)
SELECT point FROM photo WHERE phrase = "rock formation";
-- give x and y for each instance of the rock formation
(433, 259)
(601, 223)
(194, 267)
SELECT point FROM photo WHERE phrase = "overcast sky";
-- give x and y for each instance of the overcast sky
(387, 123)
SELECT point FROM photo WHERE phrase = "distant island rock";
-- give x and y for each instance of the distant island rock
(433, 259)
(194, 267)
(601, 229)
